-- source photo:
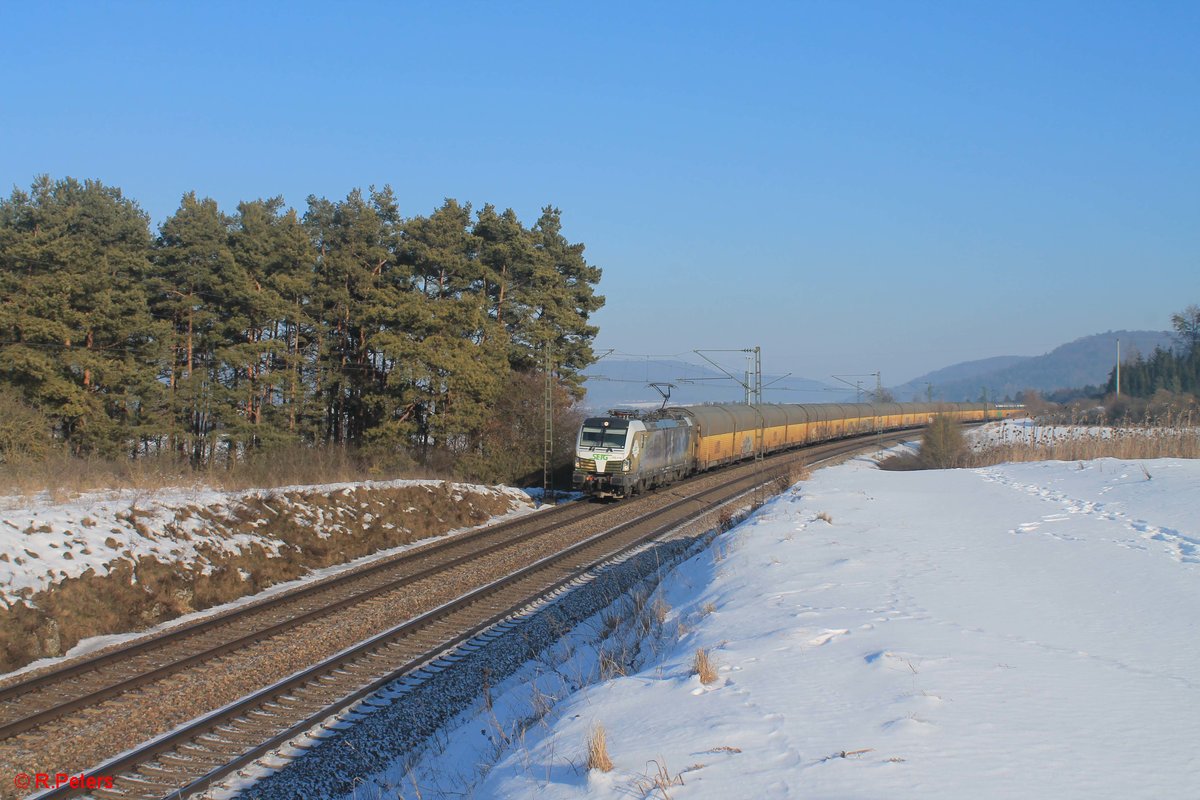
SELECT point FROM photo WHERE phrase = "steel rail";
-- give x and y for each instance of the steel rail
(176, 636)
(753, 480)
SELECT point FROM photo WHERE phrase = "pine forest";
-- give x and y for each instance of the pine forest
(228, 336)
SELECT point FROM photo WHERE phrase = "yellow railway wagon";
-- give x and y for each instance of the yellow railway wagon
(728, 432)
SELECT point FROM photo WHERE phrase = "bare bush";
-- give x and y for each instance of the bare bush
(943, 445)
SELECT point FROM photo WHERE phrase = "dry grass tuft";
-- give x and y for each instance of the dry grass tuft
(825, 517)
(597, 750)
(705, 666)
(656, 781)
(660, 609)
(612, 665)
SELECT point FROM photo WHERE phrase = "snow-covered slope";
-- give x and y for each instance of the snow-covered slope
(1024, 630)
(43, 542)
(113, 563)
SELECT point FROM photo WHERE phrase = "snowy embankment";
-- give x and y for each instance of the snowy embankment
(125, 561)
(1024, 630)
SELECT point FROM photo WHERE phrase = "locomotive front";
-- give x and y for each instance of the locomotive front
(603, 456)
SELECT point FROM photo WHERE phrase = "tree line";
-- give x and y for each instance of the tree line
(1176, 371)
(224, 334)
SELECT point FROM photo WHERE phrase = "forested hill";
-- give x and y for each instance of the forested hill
(223, 333)
(1075, 365)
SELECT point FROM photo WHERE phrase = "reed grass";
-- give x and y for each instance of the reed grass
(1082, 443)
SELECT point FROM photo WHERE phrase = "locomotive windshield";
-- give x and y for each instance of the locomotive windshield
(602, 432)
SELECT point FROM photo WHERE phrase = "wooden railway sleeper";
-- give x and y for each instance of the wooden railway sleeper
(174, 757)
(110, 794)
(171, 773)
(126, 785)
(327, 679)
(225, 740)
(156, 790)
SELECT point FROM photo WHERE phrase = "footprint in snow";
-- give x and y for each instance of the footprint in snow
(910, 724)
(827, 636)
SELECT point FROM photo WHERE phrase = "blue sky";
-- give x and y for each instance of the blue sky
(851, 186)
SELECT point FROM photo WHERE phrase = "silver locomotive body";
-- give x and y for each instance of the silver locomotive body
(619, 455)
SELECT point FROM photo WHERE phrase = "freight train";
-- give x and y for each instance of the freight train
(624, 453)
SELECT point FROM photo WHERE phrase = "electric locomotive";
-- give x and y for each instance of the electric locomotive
(621, 454)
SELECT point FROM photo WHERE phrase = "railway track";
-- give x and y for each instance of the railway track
(219, 742)
(26, 704)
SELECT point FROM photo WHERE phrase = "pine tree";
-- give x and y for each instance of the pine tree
(273, 252)
(359, 296)
(201, 290)
(76, 334)
(567, 302)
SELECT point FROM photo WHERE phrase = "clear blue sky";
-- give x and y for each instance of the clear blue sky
(852, 186)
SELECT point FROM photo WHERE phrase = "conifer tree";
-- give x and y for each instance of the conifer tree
(567, 300)
(272, 250)
(76, 335)
(359, 296)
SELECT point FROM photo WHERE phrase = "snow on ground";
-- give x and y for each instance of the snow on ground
(43, 542)
(1026, 630)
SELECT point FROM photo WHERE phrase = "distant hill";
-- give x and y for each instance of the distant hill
(615, 383)
(1080, 363)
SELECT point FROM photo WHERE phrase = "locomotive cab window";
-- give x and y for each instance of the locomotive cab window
(603, 433)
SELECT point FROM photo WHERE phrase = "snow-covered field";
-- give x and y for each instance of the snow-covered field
(1025, 630)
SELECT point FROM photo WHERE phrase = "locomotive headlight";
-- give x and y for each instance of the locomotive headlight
(625, 465)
